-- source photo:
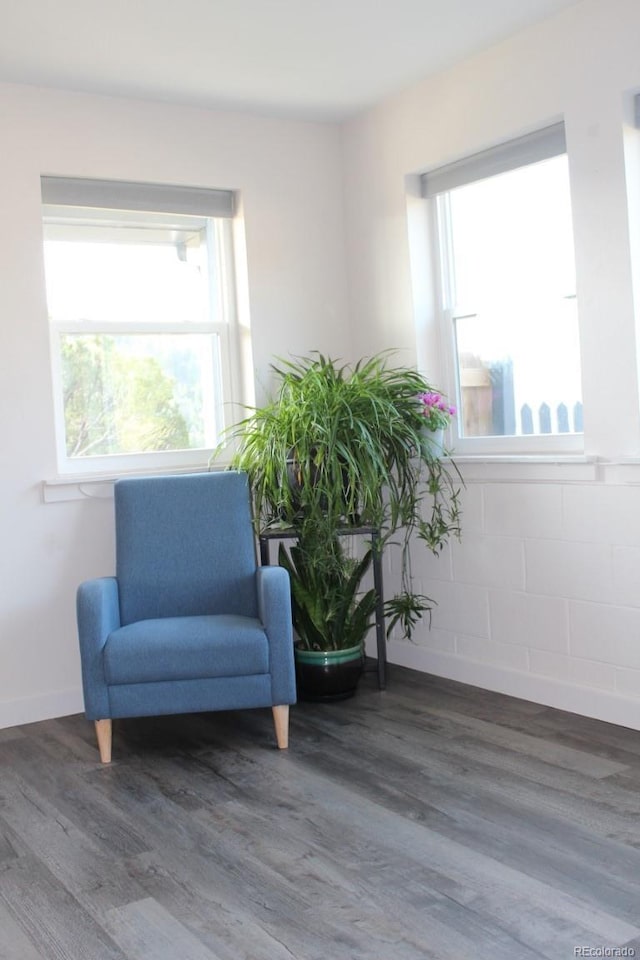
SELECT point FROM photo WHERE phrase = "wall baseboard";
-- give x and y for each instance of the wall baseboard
(47, 706)
(585, 701)
(598, 704)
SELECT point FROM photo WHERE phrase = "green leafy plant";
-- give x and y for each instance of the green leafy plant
(329, 613)
(342, 446)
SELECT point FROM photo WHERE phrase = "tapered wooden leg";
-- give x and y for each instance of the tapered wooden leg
(103, 733)
(281, 723)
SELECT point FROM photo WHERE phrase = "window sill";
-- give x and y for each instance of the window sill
(478, 469)
(100, 486)
(547, 469)
(529, 468)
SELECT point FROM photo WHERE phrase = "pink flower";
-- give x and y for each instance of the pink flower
(436, 410)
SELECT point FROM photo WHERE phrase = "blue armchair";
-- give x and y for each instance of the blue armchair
(189, 623)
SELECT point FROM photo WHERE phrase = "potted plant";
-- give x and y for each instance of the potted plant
(436, 413)
(341, 447)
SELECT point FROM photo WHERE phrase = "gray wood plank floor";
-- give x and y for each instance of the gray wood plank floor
(433, 820)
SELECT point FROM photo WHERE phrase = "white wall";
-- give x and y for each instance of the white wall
(542, 598)
(289, 176)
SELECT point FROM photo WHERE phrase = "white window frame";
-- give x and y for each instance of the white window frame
(71, 201)
(436, 187)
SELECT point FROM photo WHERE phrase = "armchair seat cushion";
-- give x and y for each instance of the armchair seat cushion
(186, 648)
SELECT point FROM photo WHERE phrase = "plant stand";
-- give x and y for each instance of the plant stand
(289, 533)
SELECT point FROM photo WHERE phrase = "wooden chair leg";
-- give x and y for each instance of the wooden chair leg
(281, 723)
(103, 733)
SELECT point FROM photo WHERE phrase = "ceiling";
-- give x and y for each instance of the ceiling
(315, 59)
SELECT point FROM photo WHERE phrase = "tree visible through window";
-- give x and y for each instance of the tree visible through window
(116, 402)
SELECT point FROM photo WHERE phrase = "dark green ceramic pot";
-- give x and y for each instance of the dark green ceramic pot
(328, 674)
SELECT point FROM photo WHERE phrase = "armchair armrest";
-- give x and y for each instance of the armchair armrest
(98, 611)
(274, 610)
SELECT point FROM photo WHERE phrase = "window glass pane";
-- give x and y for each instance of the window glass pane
(134, 393)
(117, 282)
(513, 283)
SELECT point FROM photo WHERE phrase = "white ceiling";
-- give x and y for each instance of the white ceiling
(316, 59)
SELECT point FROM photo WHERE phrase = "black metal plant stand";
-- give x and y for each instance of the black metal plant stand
(289, 533)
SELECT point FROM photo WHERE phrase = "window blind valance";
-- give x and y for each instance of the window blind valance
(540, 145)
(125, 195)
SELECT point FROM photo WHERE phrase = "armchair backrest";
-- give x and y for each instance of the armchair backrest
(185, 546)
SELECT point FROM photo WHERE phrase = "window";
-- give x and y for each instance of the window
(140, 298)
(508, 294)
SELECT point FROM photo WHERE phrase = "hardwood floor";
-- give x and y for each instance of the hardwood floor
(433, 820)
